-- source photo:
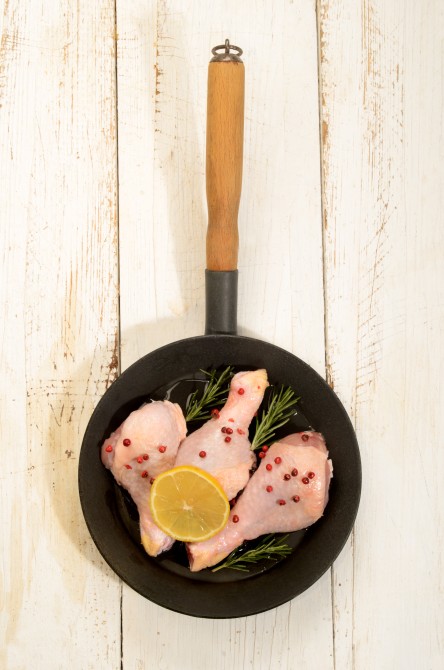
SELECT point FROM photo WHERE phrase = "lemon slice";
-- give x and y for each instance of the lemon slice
(188, 504)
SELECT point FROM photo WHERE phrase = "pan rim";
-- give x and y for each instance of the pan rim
(215, 600)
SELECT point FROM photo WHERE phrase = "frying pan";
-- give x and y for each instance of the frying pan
(173, 371)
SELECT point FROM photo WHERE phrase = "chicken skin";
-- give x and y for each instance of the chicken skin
(221, 446)
(288, 492)
(142, 447)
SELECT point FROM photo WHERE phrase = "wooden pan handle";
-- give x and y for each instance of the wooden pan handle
(225, 134)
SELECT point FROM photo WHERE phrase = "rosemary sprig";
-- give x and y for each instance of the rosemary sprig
(215, 393)
(280, 409)
(270, 547)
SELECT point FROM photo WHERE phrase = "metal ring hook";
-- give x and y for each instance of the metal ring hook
(229, 53)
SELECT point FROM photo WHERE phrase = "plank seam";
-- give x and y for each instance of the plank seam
(328, 374)
(116, 120)
(322, 190)
(118, 331)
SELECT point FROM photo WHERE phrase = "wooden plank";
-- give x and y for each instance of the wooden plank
(341, 102)
(382, 95)
(162, 101)
(163, 52)
(60, 603)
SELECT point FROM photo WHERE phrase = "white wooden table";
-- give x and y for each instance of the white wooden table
(103, 217)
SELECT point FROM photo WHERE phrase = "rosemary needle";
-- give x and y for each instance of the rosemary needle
(215, 393)
(280, 409)
(269, 548)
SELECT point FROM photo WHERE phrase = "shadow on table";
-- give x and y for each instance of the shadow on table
(70, 411)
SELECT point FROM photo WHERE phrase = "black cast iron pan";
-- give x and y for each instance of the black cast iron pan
(173, 371)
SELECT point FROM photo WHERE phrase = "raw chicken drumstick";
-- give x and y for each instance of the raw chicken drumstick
(221, 446)
(141, 448)
(288, 492)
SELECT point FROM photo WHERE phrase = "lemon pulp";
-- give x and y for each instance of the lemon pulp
(188, 504)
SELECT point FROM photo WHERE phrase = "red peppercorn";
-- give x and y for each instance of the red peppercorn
(235, 518)
(202, 454)
(265, 448)
(215, 413)
(162, 449)
(232, 420)
(281, 502)
(223, 429)
(278, 460)
(240, 431)
(261, 454)
(228, 439)
(294, 472)
(305, 437)
(145, 457)
(152, 480)
(126, 442)
(269, 466)
(128, 466)
(296, 498)
(144, 474)
(269, 488)
(287, 477)
(139, 459)
(229, 431)
(310, 475)
(305, 480)
(241, 391)
(109, 448)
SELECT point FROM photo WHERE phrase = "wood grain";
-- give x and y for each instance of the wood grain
(382, 111)
(60, 603)
(224, 162)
